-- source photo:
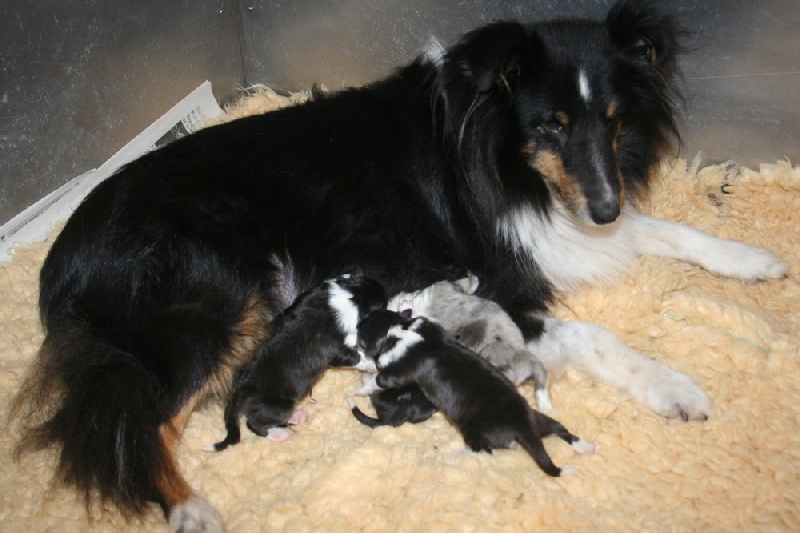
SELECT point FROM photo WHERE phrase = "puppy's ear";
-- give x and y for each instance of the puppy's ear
(488, 56)
(644, 32)
(406, 313)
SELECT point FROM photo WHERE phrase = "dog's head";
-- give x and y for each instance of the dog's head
(374, 336)
(352, 297)
(573, 111)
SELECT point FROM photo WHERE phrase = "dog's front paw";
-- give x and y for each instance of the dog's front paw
(675, 395)
(742, 261)
(195, 515)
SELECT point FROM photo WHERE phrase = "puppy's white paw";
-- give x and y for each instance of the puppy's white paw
(277, 434)
(583, 447)
(675, 395)
(365, 364)
(195, 515)
(369, 384)
(742, 261)
(298, 417)
(543, 400)
(568, 471)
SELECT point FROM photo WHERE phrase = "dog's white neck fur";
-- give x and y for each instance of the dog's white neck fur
(341, 302)
(406, 338)
(568, 252)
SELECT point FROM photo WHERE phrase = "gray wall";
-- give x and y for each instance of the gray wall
(80, 79)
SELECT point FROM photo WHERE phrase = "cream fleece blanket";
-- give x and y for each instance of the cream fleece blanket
(740, 471)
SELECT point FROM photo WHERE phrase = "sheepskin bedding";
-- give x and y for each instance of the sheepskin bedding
(740, 471)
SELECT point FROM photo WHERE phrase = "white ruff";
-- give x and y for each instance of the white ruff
(568, 252)
(406, 338)
(341, 301)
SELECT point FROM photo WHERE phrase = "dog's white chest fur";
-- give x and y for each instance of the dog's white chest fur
(567, 252)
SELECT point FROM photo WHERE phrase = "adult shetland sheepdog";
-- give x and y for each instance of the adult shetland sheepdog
(515, 155)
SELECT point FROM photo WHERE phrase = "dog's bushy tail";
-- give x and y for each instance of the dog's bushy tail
(101, 407)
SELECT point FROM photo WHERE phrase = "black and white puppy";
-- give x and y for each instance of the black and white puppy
(318, 330)
(482, 326)
(480, 401)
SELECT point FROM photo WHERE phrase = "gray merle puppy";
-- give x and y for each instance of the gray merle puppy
(318, 330)
(474, 395)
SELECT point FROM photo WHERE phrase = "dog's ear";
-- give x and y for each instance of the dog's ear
(406, 313)
(644, 32)
(488, 56)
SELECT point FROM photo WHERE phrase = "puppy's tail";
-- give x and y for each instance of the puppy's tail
(363, 418)
(102, 407)
(234, 434)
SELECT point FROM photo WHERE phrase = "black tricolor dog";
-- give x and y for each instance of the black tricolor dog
(515, 155)
(318, 330)
(475, 395)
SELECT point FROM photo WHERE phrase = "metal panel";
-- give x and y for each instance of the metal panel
(80, 79)
(77, 81)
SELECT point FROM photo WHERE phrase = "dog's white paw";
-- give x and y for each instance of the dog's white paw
(675, 395)
(195, 515)
(742, 261)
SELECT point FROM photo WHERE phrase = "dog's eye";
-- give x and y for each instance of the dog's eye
(552, 128)
(645, 50)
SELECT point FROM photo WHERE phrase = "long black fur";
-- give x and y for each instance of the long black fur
(306, 338)
(474, 395)
(162, 283)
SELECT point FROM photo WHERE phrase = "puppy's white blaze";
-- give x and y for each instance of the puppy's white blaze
(406, 338)
(583, 87)
(566, 251)
(346, 311)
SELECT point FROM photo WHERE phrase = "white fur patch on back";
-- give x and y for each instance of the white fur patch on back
(341, 302)
(406, 338)
(569, 253)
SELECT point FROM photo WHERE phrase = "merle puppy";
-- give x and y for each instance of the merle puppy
(318, 330)
(482, 403)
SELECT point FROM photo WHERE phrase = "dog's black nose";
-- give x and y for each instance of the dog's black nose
(604, 212)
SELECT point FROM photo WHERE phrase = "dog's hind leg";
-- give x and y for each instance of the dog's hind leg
(186, 511)
(602, 355)
(724, 257)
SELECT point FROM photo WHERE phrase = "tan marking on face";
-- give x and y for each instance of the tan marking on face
(562, 117)
(560, 182)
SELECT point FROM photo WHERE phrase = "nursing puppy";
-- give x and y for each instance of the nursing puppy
(480, 401)
(318, 330)
(480, 325)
